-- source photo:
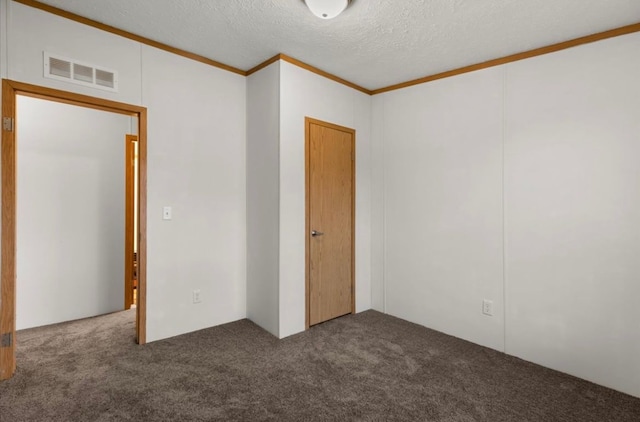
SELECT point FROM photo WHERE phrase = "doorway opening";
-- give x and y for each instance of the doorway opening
(330, 221)
(10, 90)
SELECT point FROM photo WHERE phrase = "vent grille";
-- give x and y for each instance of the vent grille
(60, 68)
(104, 78)
(82, 73)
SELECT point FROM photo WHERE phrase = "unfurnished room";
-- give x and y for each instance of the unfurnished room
(320, 210)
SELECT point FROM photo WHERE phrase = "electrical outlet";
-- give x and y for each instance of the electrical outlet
(196, 296)
(487, 307)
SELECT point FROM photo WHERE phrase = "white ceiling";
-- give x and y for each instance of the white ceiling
(374, 43)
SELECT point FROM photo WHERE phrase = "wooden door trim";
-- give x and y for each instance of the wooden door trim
(10, 89)
(129, 177)
(308, 121)
(7, 242)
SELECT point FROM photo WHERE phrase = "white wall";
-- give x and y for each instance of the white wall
(263, 192)
(32, 32)
(196, 164)
(572, 159)
(3, 39)
(305, 94)
(70, 205)
(377, 203)
(552, 181)
(443, 205)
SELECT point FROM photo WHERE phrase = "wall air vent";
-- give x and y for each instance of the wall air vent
(69, 70)
(59, 68)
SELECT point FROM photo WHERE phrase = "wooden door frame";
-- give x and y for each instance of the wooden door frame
(308, 121)
(10, 89)
(129, 218)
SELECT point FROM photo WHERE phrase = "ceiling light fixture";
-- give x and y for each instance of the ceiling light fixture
(327, 9)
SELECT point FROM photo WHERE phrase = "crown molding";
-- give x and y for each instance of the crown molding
(516, 57)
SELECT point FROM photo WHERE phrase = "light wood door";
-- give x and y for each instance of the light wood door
(129, 168)
(330, 220)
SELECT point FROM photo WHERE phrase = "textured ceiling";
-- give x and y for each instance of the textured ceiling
(374, 43)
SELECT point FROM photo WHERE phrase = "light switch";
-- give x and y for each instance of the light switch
(166, 213)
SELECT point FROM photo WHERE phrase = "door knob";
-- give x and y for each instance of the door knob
(315, 233)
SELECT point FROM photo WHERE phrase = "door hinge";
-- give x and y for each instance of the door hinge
(7, 124)
(353, 156)
(6, 340)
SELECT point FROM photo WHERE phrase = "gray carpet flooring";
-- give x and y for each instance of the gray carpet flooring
(365, 367)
